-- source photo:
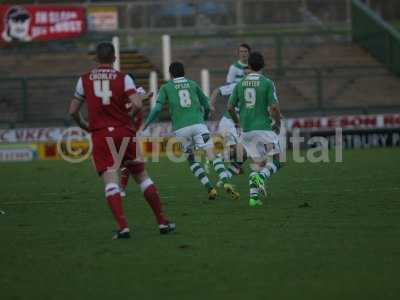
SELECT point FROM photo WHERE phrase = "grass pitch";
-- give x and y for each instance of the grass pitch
(328, 231)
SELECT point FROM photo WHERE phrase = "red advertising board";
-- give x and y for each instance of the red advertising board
(347, 122)
(40, 23)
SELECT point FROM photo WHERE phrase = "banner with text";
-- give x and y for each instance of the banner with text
(102, 18)
(311, 125)
(40, 23)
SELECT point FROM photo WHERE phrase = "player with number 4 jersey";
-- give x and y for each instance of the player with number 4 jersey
(111, 99)
(189, 107)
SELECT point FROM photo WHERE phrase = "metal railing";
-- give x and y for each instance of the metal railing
(44, 100)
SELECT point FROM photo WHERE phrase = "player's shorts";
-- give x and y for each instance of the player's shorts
(227, 129)
(227, 89)
(102, 153)
(194, 137)
(260, 144)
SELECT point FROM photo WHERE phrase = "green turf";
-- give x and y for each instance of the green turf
(55, 236)
(396, 24)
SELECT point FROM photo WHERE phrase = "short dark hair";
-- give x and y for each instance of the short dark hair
(176, 69)
(244, 45)
(105, 53)
(256, 61)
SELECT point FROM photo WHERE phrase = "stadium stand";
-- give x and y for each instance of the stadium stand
(319, 71)
(349, 76)
(41, 84)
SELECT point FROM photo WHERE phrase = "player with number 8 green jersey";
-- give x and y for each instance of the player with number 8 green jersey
(253, 95)
(186, 101)
(188, 107)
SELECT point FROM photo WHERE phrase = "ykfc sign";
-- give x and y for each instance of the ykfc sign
(357, 122)
(40, 23)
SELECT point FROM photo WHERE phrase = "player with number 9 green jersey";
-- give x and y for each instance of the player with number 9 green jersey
(186, 101)
(253, 95)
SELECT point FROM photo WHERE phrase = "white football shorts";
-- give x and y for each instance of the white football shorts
(194, 137)
(260, 144)
(227, 129)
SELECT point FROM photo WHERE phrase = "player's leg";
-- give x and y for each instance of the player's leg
(264, 150)
(103, 161)
(114, 200)
(256, 184)
(272, 152)
(237, 155)
(198, 171)
(203, 141)
(261, 172)
(216, 162)
(184, 135)
(124, 178)
(152, 197)
(271, 167)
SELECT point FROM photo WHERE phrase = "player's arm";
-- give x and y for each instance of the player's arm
(137, 116)
(135, 96)
(156, 109)
(276, 115)
(231, 76)
(74, 112)
(274, 109)
(232, 103)
(76, 104)
(137, 120)
(213, 98)
(136, 102)
(204, 102)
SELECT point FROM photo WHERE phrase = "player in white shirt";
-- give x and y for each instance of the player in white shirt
(237, 69)
(226, 127)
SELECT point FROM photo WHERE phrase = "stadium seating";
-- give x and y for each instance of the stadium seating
(350, 76)
(322, 75)
(52, 78)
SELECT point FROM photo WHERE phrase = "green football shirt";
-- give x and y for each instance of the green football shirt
(253, 95)
(186, 102)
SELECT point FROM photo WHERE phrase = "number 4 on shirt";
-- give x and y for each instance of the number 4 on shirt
(102, 90)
